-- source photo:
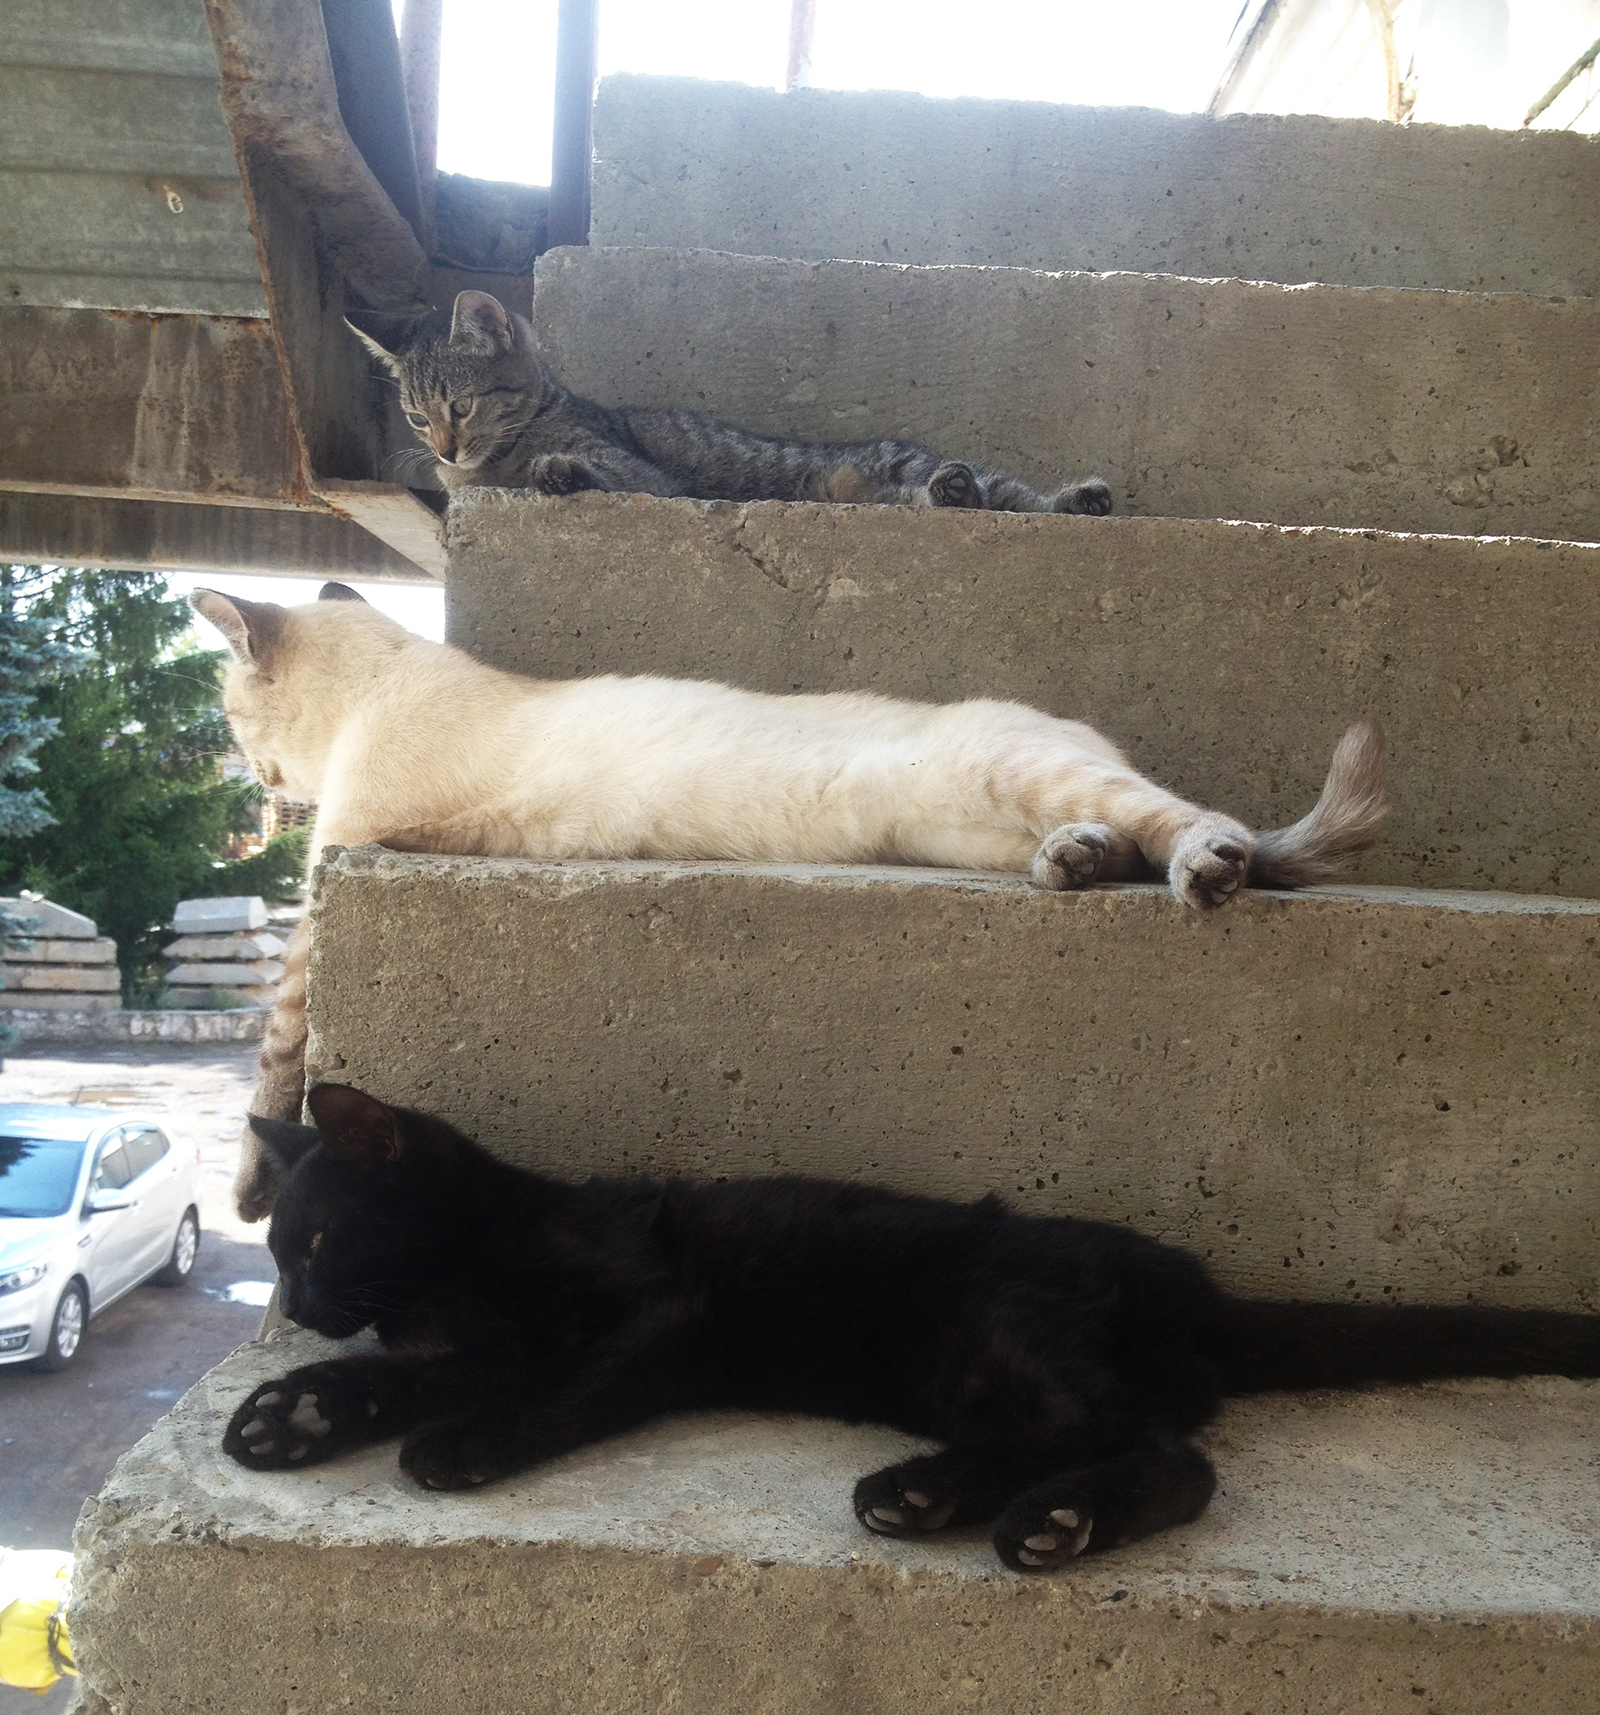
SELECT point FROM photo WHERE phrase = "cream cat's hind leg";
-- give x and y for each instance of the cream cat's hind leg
(1081, 853)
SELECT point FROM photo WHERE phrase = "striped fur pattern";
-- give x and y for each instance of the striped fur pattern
(475, 392)
(415, 745)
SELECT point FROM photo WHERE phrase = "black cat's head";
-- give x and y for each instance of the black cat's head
(362, 1203)
(469, 380)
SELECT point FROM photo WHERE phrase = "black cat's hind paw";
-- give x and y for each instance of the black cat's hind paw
(1034, 1540)
(455, 1454)
(955, 484)
(893, 1502)
(300, 1419)
(1091, 498)
(556, 473)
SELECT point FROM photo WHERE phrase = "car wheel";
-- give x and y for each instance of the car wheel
(66, 1329)
(185, 1248)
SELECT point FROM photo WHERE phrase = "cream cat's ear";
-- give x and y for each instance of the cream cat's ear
(480, 323)
(340, 592)
(252, 629)
(383, 334)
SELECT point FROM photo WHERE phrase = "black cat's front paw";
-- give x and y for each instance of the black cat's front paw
(300, 1419)
(1091, 497)
(1031, 1539)
(902, 1501)
(556, 473)
(955, 484)
(457, 1453)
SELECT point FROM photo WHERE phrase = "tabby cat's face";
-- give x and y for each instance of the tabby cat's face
(468, 383)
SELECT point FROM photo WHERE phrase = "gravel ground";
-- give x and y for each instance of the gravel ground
(60, 1435)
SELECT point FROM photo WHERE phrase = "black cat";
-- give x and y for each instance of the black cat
(1064, 1364)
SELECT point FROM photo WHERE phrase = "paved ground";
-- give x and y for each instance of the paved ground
(61, 1434)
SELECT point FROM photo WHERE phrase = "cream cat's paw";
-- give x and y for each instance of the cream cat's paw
(1210, 862)
(1073, 856)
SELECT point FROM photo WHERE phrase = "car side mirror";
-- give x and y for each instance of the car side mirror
(105, 1201)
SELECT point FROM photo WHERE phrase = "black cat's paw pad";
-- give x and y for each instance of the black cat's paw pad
(556, 473)
(1210, 862)
(955, 485)
(1036, 1545)
(889, 1503)
(452, 1456)
(1090, 498)
(278, 1426)
(1071, 857)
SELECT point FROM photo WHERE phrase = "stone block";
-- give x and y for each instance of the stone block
(261, 945)
(33, 951)
(893, 177)
(1224, 658)
(43, 1000)
(239, 974)
(55, 922)
(1344, 1093)
(218, 916)
(1376, 409)
(79, 979)
(204, 995)
(1360, 1546)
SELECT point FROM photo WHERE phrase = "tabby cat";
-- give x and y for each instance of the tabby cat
(473, 388)
(1063, 1364)
(415, 745)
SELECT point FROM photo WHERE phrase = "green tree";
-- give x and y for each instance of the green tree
(131, 772)
(31, 656)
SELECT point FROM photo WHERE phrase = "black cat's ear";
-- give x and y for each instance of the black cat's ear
(252, 629)
(284, 1142)
(385, 335)
(356, 1128)
(339, 592)
(480, 323)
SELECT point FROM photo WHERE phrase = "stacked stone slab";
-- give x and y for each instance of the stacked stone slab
(60, 963)
(1380, 1091)
(224, 952)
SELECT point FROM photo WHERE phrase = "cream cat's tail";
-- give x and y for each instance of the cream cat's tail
(1344, 821)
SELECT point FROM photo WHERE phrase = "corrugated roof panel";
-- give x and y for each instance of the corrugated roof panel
(118, 188)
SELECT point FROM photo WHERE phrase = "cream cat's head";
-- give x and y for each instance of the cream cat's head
(469, 380)
(293, 676)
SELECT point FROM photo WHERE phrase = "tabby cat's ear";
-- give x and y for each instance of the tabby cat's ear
(253, 629)
(356, 1128)
(339, 592)
(384, 334)
(283, 1141)
(480, 323)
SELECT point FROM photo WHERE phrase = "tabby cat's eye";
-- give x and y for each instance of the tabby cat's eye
(460, 408)
(416, 420)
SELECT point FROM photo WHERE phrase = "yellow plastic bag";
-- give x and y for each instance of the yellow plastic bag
(35, 1650)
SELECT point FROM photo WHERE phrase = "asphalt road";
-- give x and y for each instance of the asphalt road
(61, 1434)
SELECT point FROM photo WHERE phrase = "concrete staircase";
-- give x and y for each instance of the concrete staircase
(1384, 1090)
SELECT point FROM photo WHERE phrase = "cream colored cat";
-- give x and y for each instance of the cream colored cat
(417, 746)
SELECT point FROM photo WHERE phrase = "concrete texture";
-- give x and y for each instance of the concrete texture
(76, 1023)
(1433, 1546)
(32, 951)
(80, 979)
(1351, 1093)
(1193, 398)
(891, 177)
(1224, 658)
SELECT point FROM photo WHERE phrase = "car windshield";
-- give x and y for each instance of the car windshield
(38, 1175)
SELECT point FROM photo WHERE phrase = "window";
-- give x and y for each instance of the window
(144, 1149)
(114, 1171)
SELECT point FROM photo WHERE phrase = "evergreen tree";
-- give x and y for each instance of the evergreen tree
(141, 813)
(31, 656)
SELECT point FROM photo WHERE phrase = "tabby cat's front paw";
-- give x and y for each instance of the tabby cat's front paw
(457, 1453)
(1210, 862)
(1092, 496)
(955, 484)
(556, 473)
(299, 1419)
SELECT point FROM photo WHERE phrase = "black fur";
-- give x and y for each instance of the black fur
(1064, 1364)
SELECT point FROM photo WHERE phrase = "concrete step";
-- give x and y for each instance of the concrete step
(890, 177)
(1379, 1550)
(1353, 1092)
(1224, 658)
(1195, 398)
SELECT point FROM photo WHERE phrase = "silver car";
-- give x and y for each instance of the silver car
(92, 1203)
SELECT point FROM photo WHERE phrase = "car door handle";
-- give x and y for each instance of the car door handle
(85, 1241)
